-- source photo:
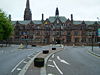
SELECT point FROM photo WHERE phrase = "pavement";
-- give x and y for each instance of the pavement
(32, 70)
(96, 51)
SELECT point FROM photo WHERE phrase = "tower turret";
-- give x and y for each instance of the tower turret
(57, 12)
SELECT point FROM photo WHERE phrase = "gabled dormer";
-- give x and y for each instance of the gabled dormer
(83, 22)
(83, 25)
(57, 21)
(46, 22)
(17, 22)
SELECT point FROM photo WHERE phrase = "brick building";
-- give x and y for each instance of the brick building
(55, 29)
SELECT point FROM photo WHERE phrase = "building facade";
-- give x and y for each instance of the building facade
(55, 29)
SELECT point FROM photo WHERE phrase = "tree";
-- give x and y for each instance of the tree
(6, 27)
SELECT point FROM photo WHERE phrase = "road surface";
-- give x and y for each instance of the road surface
(73, 61)
(12, 58)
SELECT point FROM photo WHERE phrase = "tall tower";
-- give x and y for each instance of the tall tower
(27, 12)
(57, 12)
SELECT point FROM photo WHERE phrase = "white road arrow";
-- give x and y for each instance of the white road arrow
(63, 61)
(53, 56)
(51, 65)
(19, 69)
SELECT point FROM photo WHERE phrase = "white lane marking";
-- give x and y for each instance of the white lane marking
(58, 68)
(29, 57)
(50, 74)
(51, 65)
(17, 65)
(25, 62)
(19, 69)
(53, 56)
(50, 60)
(63, 61)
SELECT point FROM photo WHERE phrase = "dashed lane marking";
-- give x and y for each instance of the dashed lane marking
(51, 74)
(17, 65)
(29, 57)
(25, 62)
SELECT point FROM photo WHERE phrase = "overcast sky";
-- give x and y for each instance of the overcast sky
(81, 9)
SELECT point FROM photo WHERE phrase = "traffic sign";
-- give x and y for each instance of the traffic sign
(98, 32)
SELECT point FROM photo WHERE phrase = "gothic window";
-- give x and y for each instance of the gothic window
(76, 40)
(68, 33)
(68, 39)
(57, 21)
(76, 33)
(21, 27)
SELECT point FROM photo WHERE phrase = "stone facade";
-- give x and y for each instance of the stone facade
(55, 29)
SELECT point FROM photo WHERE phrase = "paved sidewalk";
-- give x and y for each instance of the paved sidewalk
(96, 51)
(37, 71)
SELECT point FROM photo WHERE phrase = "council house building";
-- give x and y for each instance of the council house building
(54, 30)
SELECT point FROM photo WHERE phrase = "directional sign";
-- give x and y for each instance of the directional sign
(99, 32)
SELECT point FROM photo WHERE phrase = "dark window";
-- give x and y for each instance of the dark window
(76, 40)
(76, 33)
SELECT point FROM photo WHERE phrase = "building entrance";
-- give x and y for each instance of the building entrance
(58, 41)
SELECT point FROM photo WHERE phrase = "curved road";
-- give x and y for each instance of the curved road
(73, 61)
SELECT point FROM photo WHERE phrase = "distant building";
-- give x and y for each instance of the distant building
(55, 29)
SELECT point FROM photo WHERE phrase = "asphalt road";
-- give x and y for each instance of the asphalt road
(73, 61)
(12, 57)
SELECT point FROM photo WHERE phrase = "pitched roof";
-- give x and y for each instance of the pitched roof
(86, 22)
(53, 18)
(37, 22)
(28, 22)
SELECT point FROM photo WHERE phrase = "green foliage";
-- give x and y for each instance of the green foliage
(6, 27)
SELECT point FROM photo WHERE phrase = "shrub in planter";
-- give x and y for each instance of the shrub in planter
(53, 48)
(39, 62)
(45, 51)
(33, 45)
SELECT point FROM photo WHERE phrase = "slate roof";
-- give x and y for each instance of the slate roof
(86, 22)
(27, 22)
(53, 18)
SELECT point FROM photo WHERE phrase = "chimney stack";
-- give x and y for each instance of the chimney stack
(9, 17)
(42, 17)
(72, 18)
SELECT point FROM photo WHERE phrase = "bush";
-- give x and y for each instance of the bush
(45, 51)
(39, 62)
(33, 45)
(53, 48)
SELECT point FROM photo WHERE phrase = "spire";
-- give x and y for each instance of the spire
(27, 12)
(27, 4)
(57, 12)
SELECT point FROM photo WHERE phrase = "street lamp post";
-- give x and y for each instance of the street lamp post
(92, 41)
